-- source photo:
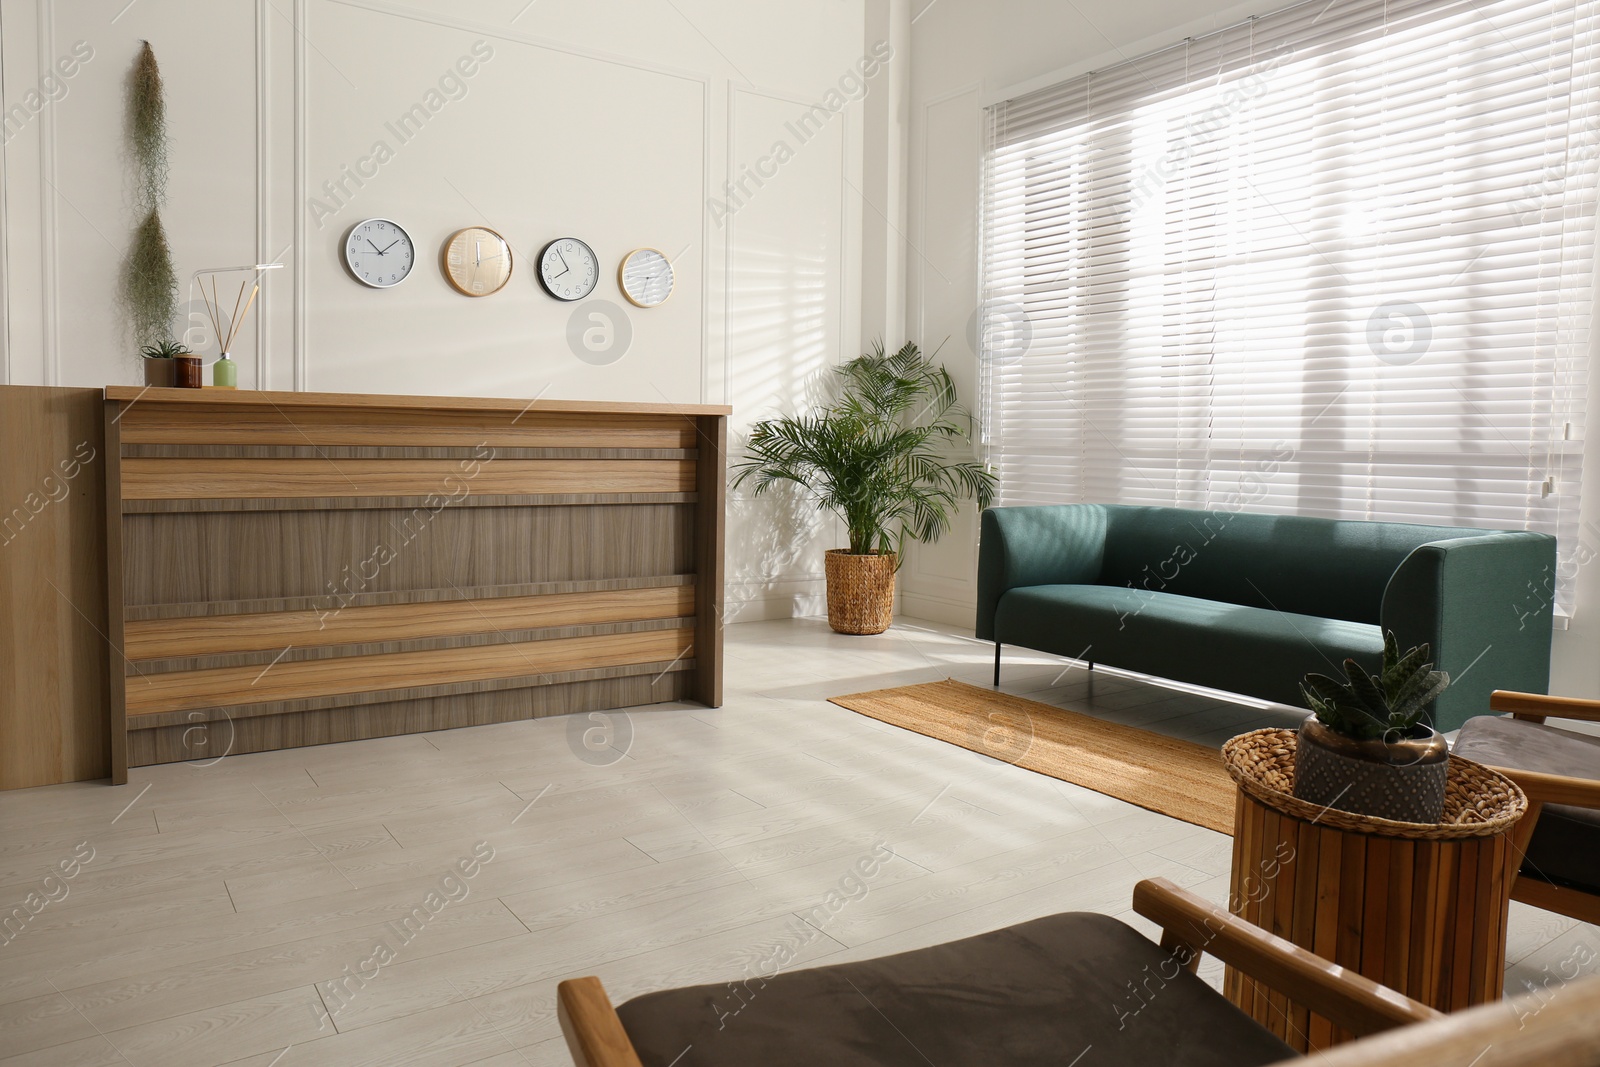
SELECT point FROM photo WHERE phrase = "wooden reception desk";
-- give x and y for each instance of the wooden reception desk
(293, 569)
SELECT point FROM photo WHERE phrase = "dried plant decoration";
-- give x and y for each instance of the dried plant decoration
(147, 128)
(149, 283)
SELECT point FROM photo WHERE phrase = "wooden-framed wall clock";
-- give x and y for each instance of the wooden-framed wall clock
(568, 269)
(379, 253)
(477, 261)
(645, 277)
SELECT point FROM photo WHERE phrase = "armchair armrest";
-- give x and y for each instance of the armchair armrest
(594, 1033)
(1194, 925)
(1536, 707)
(1537, 1029)
(1059, 544)
(1485, 603)
(1554, 789)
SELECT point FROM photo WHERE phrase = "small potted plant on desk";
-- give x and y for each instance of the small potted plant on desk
(1368, 747)
(161, 363)
(877, 456)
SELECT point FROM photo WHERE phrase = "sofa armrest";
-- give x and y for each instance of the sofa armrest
(1485, 603)
(1058, 544)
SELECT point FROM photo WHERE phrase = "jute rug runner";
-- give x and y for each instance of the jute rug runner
(1177, 778)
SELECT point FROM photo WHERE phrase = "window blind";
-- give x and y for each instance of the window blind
(1332, 261)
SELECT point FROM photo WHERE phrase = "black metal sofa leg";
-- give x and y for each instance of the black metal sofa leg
(997, 664)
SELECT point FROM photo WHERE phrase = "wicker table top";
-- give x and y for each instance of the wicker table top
(1478, 801)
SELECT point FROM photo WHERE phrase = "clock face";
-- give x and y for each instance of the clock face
(645, 277)
(568, 269)
(477, 261)
(379, 253)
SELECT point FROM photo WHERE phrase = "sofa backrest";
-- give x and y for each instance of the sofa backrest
(1331, 568)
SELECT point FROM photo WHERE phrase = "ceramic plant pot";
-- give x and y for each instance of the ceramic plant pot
(160, 373)
(1399, 778)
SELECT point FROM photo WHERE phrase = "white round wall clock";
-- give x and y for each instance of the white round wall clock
(379, 253)
(645, 277)
(568, 269)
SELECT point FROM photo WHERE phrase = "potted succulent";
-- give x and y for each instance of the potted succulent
(1368, 747)
(877, 456)
(161, 362)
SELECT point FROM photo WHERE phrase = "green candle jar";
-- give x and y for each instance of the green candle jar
(225, 373)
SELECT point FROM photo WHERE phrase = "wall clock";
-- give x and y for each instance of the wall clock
(477, 261)
(568, 269)
(379, 253)
(645, 277)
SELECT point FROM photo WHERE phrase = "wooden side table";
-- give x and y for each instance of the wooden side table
(1421, 909)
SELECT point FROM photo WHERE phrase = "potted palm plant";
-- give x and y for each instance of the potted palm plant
(1368, 747)
(878, 457)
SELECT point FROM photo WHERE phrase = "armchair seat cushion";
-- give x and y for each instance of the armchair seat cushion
(1227, 646)
(1043, 992)
(1565, 848)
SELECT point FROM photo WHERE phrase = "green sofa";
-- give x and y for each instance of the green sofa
(1250, 603)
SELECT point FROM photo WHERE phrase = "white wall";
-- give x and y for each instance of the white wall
(617, 121)
(970, 53)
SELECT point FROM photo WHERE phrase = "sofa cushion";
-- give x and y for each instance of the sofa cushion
(1075, 988)
(1565, 848)
(1205, 642)
(1296, 563)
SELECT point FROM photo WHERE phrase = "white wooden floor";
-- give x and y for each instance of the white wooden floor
(234, 913)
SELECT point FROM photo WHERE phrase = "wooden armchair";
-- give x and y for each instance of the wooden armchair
(1559, 838)
(1041, 992)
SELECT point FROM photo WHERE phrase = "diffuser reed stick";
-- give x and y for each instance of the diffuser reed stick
(213, 304)
(239, 322)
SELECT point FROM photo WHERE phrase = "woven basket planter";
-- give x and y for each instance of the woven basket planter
(1478, 801)
(860, 591)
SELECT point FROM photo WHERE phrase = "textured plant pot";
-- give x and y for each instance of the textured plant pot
(1401, 780)
(860, 591)
(160, 373)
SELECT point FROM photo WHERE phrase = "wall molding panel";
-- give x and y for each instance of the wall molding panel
(260, 120)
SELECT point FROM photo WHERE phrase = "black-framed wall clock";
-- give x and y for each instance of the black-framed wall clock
(568, 269)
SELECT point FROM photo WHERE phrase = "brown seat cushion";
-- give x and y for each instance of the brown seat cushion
(1566, 841)
(1073, 989)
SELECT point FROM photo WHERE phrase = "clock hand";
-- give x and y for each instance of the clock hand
(563, 261)
(375, 248)
(477, 253)
(388, 246)
(553, 277)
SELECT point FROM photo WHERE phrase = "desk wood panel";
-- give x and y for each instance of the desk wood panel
(207, 741)
(202, 479)
(54, 684)
(224, 686)
(155, 423)
(202, 557)
(263, 631)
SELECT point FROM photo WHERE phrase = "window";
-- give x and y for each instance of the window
(1333, 261)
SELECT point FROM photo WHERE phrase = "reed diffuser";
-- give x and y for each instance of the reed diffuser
(225, 372)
